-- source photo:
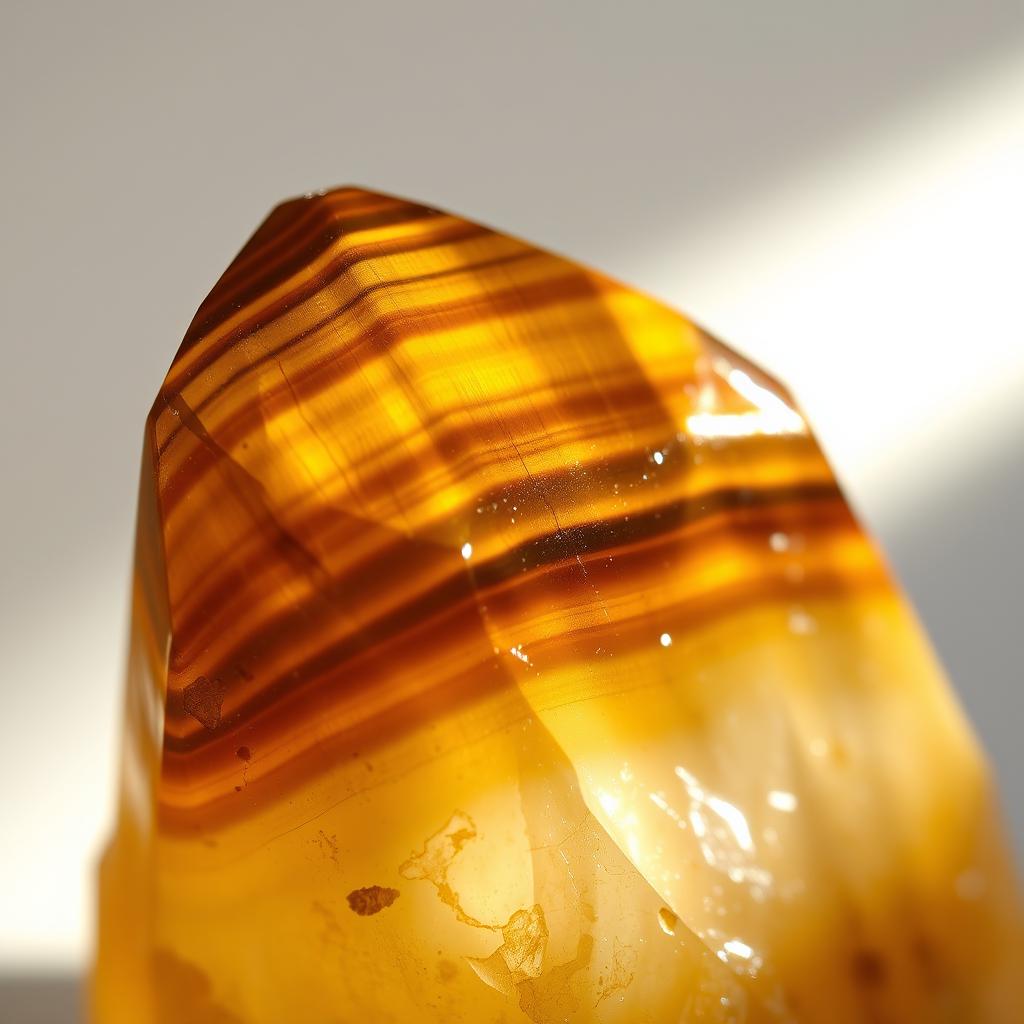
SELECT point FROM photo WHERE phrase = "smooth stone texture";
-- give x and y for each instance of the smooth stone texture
(504, 650)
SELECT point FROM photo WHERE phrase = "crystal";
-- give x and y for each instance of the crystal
(503, 650)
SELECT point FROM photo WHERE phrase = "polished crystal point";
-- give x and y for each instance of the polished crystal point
(504, 651)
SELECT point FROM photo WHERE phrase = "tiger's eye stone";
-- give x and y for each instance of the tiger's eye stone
(504, 651)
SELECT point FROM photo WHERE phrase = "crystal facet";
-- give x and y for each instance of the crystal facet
(503, 650)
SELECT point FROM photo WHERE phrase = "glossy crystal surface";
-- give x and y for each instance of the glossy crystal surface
(503, 650)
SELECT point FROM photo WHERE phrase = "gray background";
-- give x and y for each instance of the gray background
(834, 188)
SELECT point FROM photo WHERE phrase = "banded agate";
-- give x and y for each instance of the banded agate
(503, 651)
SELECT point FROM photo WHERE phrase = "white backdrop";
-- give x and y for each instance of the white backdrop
(836, 189)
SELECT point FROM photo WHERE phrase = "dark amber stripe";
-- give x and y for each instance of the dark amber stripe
(365, 736)
(241, 289)
(512, 571)
(348, 258)
(316, 524)
(385, 331)
(289, 227)
(632, 399)
(364, 340)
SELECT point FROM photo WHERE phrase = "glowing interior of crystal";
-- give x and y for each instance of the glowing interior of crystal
(503, 650)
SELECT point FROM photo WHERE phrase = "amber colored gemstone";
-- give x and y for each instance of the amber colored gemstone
(503, 650)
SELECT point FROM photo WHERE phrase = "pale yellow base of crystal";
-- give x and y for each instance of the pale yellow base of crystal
(780, 815)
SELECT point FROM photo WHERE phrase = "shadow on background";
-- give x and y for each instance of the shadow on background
(958, 558)
(40, 999)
